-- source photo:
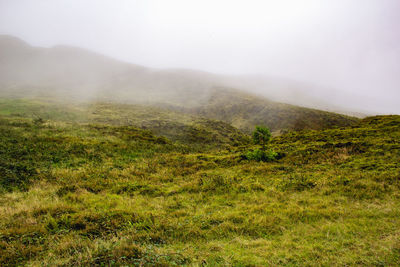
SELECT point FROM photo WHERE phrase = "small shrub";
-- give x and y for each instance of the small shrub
(261, 155)
(261, 136)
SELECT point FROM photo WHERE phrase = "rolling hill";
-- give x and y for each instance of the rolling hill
(82, 194)
(76, 75)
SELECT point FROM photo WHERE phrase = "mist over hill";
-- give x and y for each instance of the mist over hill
(83, 75)
(72, 74)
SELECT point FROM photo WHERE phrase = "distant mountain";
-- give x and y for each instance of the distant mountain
(75, 74)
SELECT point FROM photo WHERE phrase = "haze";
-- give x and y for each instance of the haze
(348, 49)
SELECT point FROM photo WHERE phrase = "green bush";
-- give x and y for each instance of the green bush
(261, 155)
(261, 136)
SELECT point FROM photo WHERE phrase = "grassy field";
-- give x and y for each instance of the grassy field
(82, 189)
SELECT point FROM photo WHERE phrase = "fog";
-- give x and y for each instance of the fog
(345, 51)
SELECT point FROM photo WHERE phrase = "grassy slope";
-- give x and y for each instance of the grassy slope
(90, 194)
(174, 125)
(244, 111)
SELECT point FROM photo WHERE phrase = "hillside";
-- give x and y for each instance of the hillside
(77, 75)
(104, 193)
(244, 111)
(174, 125)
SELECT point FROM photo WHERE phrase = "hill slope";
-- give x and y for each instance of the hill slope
(79, 194)
(77, 75)
(244, 111)
(176, 126)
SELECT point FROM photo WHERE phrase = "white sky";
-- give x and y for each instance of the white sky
(351, 45)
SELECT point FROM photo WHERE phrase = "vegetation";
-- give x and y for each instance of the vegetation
(261, 155)
(261, 136)
(173, 125)
(95, 190)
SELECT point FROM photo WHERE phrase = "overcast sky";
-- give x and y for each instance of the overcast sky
(351, 45)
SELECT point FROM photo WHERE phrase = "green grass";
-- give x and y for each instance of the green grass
(94, 190)
(174, 125)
